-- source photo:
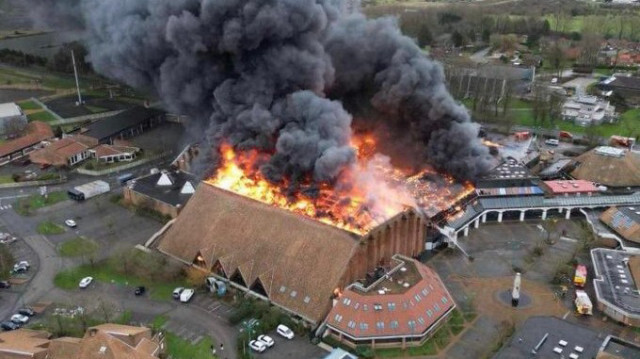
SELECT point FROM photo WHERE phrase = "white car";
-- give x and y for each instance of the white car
(186, 295)
(22, 264)
(285, 331)
(266, 339)
(85, 282)
(258, 346)
(177, 292)
(70, 223)
(19, 319)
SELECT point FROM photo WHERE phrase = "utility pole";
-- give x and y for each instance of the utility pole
(75, 73)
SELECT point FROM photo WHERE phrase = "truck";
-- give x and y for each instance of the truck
(583, 303)
(88, 190)
(580, 278)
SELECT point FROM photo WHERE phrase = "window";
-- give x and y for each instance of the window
(338, 318)
(283, 289)
(425, 292)
(405, 305)
(380, 325)
(377, 307)
(444, 300)
(393, 324)
(364, 326)
(412, 324)
(417, 297)
(436, 307)
(351, 324)
(293, 293)
(429, 313)
(346, 301)
(365, 307)
(391, 306)
(356, 306)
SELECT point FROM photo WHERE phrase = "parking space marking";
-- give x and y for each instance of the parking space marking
(196, 340)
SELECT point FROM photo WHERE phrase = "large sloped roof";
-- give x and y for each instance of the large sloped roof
(298, 261)
(607, 170)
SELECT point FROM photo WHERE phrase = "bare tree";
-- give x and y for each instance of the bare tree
(14, 127)
(556, 55)
(590, 47)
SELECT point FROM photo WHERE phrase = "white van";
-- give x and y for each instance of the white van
(186, 295)
(552, 142)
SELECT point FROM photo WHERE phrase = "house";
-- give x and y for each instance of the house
(404, 307)
(588, 110)
(126, 124)
(11, 117)
(113, 154)
(165, 192)
(65, 152)
(36, 132)
(105, 341)
(623, 86)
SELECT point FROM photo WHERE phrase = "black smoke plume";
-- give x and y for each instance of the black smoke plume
(274, 74)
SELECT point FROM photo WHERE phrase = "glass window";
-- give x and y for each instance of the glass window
(380, 325)
(364, 326)
(393, 324)
(338, 318)
(391, 306)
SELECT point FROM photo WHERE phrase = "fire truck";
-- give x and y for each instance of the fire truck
(583, 303)
(580, 278)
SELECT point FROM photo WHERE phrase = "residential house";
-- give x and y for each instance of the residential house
(65, 152)
(113, 154)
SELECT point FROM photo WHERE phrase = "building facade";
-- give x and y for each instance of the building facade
(588, 111)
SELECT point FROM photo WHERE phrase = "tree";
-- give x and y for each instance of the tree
(590, 48)
(424, 36)
(14, 127)
(61, 61)
(457, 38)
(556, 55)
(6, 262)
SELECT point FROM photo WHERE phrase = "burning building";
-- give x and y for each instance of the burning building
(294, 261)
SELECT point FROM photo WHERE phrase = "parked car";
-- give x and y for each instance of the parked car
(267, 340)
(4, 284)
(26, 311)
(85, 282)
(552, 142)
(186, 295)
(9, 326)
(20, 268)
(140, 290)
(284, 331)
(22, 264)
(19, 319)
(177, 292)
(70, 223)
(257, 346)
(8, 240)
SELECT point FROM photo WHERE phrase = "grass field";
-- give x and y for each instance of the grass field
(29, 105)
(26, 206)
(78, 247)
(49, 228)
(179, 348)
(105, 272)
(43, 116)
(6, 179)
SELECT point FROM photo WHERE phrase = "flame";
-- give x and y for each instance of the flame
(364, 196)
(491, 144)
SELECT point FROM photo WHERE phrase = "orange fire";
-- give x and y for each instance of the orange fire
(364, 196)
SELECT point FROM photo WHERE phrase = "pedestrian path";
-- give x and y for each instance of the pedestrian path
(188, 332)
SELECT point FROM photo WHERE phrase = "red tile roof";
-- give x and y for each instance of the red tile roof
(574, 186)
(58, 152)
(410, 313)
(36, 132)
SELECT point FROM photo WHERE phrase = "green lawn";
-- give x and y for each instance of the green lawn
(104, 272)
(43, 116)
(158, 322)
(26, 206)
(29, 105)
(48, 227)
(78, 247)
(178, 348)
(6, 179)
